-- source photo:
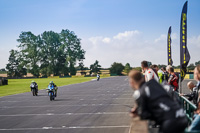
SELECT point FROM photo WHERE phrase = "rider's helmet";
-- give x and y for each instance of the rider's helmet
(51, 82)
(32, 81)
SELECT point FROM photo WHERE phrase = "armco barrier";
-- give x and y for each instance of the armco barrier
(189, 109)
(188, 106)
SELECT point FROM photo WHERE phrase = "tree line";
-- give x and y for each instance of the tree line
(46, 54)
(56, 53)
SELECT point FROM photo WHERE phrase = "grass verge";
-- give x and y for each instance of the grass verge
(16, 86)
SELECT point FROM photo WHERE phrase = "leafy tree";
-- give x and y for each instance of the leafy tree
(30, 49)
(81, 66)
(95, 68)
(50, 53)
(160, 66)
(14, 67)
(3, 70)
(116, 68)
(72, 49)
(197, 63)
(138, 69)
(127, 68)
(191, 66)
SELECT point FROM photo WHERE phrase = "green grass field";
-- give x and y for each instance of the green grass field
(16, 86)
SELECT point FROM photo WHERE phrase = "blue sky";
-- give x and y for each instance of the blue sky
(132, 29)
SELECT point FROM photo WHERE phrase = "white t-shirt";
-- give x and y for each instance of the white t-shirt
(150, 74)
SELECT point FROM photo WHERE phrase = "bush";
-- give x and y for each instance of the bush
(116, 68)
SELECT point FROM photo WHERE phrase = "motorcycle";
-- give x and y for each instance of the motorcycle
(34, 89)
(51, 92)
(98, 77)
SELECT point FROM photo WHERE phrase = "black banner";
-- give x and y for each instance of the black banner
(169, 53)
(184, 53)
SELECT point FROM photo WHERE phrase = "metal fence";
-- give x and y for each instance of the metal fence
(189, 109)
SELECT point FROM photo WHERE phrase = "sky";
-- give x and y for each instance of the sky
(125, 31)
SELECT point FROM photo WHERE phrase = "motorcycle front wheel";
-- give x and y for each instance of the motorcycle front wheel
(51, 97)
(33, 91)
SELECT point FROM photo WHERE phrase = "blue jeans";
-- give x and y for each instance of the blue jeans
(195, 126)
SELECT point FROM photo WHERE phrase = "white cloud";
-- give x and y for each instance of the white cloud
(195, 40)
(106, 40)
(94, 40)
(126, 34)
(130, 46)
(161, 38)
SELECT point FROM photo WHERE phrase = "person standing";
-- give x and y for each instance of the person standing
(197, 78)
(154, 103)
(173, 79)
(165, 74)
(193, 95)
(197, 75)
(148, 72)
(160, 76)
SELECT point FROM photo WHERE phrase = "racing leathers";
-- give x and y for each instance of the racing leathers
(154, 103)
(173, 81)
(34, 84)
(150, 74)
(55, 88)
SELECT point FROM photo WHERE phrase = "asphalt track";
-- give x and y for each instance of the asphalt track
(90, 107)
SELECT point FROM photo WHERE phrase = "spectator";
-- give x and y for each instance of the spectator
(195, 125)
(167, 68)
(193, 96)
(154, 103)
(197, 76)
(148, 72)
(155, 68)
(166, 74)
(160, 75)
(173, 79)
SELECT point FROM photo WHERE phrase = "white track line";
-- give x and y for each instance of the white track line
(63, 127)
(82, 105)
(52, 114)
(82, 99)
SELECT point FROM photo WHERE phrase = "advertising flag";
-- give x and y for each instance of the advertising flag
(184, 53)
(169, 53)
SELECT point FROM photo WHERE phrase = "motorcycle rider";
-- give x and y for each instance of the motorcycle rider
(98, 77)
(155, 104)
(33, 83)
(55, 87)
